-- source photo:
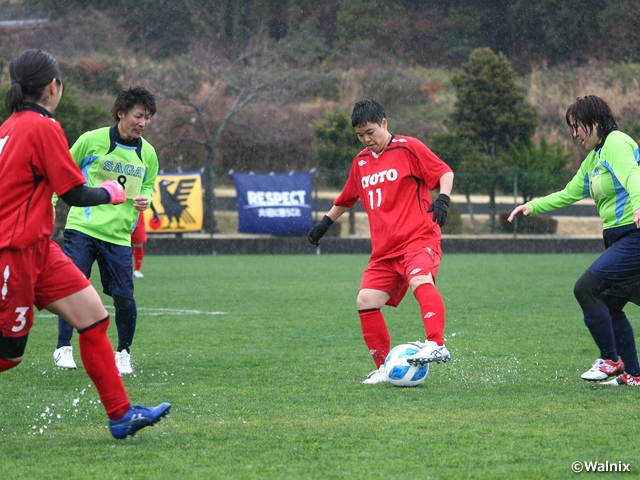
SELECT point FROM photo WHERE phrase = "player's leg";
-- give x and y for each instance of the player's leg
(623, 333)
(616, 270)
(85, 312)
(381, 285)
(64, 291)
(78, 247)
(431, 307)
(588, 292)
(138, 239)
(11, 351)
(374, 328)
(18, 273)
(420, 270)
(624, 337)
(138, 257)
(115, 263)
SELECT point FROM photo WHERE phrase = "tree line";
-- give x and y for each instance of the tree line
(426, 32)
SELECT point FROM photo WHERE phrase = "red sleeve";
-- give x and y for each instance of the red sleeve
(431, 167)
(349, 195)
(54, 162)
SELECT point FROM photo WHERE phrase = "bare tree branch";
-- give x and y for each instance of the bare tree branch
(210, 90)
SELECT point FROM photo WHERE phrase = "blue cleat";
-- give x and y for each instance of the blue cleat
(137, 418)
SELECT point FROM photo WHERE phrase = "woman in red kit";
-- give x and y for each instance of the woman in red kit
(35, 163)
(393, 177)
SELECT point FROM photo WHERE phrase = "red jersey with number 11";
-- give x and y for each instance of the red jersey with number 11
(394, 190)
(34, 162)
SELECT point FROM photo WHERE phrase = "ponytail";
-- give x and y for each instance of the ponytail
(14, 100)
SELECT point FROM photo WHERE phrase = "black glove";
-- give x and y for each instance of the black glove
(318, 230)
(439, 208)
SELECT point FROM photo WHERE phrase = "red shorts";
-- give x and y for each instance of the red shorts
(39, 274)
(392, 275)
(139, 234)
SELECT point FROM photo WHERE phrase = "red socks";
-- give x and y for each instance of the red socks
(374, 328)
(7, 364)
(376, 335)
(432, 310)
(100, 364)
(138, 255)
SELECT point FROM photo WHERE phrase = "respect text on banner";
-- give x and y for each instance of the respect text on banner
(275, 204)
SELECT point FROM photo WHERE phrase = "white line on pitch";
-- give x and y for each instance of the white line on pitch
(154, 312)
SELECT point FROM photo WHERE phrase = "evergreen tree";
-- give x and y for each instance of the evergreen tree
(491, 112)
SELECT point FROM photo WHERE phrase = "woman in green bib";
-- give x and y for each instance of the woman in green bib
(611, 176)
(102, 233)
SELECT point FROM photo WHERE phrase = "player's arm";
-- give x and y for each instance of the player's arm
(576, 189)
(65, 178)
(446, 184)
(82, 196)
(347, 199)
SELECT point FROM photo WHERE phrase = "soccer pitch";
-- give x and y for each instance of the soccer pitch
(262, 358)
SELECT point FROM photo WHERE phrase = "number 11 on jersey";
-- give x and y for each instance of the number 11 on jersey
(377, 195)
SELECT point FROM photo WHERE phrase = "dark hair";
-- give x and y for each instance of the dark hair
(30, 73)
(127, 99)
(367, 111)
(589, 111)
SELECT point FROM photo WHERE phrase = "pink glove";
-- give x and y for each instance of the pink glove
(115, 191)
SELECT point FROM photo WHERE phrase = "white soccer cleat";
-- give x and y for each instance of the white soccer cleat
(431, 352)
(123, 362)
(377, 376)
(137, 274)
(63, 357)
(594, 374)
(603, 369)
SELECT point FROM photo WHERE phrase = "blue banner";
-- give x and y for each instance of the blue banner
(275, 204)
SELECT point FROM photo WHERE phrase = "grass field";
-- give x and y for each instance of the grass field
(262, 358)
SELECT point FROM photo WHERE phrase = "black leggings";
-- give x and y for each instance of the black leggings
(12, 347)
(589, 289)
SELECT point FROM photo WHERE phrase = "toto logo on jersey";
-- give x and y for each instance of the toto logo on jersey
(391, 175)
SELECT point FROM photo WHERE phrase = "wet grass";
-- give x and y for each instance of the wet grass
(270, 387)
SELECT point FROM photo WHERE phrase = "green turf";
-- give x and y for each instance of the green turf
(271, 387)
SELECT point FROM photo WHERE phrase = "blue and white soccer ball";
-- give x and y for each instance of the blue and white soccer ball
(400, 373)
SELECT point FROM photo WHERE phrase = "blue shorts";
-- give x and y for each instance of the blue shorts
(114, 261)
(619, 264)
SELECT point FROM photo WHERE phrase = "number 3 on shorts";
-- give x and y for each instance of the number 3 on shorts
(21, 321)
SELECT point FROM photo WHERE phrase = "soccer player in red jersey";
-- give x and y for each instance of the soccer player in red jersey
(35, 163)
(393, 177)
